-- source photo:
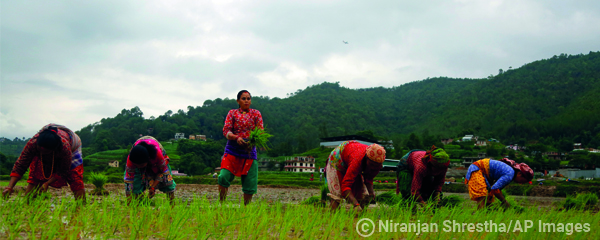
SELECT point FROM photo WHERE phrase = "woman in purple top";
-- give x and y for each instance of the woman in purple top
(237, 159)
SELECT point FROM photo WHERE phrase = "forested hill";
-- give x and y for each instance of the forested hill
(555, 101)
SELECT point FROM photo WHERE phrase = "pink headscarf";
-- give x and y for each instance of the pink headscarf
(525, 170)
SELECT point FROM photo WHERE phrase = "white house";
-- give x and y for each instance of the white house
(300, 164)
(467, 138)
(113, 163)
(179, 136)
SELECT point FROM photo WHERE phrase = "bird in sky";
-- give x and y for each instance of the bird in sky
(344, 42)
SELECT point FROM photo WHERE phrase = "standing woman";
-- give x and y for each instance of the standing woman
(486, 179)
(53, 157)
(237, 159)
(351, 168)
(148, 168)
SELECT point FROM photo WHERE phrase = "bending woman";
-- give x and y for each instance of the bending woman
(148, 168)
(486, 178)
(237, 159)
(351, 168)
(421, 174)
(53, 157)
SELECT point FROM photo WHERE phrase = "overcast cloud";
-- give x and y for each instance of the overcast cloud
(76, 62)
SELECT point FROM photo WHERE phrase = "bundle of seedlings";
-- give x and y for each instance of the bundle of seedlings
(258, 138)
(497, 205)
(99, 180)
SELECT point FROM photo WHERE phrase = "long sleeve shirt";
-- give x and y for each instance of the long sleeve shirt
(420, 170)
(31, 152)
(352, 162)
(241, 123)
(156, 167)
(501, 174)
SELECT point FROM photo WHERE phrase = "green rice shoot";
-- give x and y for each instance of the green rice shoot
(259, 138)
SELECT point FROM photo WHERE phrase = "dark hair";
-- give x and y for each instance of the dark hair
(141, 153)
(242, 92)
(49, 138)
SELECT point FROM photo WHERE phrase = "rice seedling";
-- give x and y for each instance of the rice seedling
(99, 180)
(388, 198)
(582, 201)
(259, 138)
(109, 217)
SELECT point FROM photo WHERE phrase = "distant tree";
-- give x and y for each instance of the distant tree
(414, 142)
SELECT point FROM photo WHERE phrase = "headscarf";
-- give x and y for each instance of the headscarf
(437, 157)
(525, 170)
(376, 153)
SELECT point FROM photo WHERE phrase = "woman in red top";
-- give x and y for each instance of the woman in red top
(53, 157)
(237, 159)
(351, 168)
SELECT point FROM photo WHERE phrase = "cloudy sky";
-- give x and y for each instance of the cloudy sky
(76, 62)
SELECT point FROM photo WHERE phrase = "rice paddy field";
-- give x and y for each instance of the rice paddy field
(279, 213)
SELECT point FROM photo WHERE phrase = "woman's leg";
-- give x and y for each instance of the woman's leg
(225, 178)
(250, 183)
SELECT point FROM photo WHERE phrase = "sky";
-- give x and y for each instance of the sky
(76, 62)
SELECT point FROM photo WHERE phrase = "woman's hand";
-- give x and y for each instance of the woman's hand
(151, 192)
(241, 141)
(44, 187)
(7, 192)
(357, 208)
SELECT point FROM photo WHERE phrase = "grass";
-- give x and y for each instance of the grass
(199, 218)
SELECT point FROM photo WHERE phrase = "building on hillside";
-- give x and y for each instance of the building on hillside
(390, 165)
(469, 138)
(593, 150)
(446, 141)
(177, 173)
(577, 147)
(197, 137)
(300, 164)
(268, 165)
(113, 163)
(179, 136)
(389, 144)
(481, 142)
(333, 142)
